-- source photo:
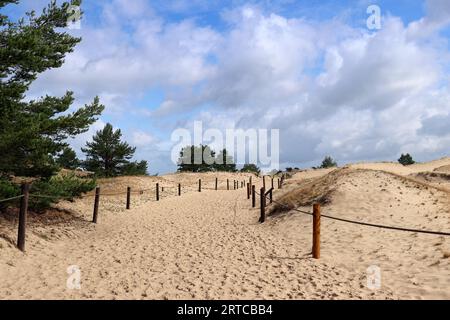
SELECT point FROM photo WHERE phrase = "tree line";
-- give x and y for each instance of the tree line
(203, 158)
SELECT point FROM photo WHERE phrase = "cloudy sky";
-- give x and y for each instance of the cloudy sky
(312, 69)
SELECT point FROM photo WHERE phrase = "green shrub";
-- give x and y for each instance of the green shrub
(250, 167)
(328, 162)
(8, 190)
(61, 187)
(406, 159)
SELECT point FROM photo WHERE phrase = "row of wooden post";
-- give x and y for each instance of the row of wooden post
(251, 192)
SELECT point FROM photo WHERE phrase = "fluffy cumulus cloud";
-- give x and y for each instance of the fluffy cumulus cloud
(330, 86)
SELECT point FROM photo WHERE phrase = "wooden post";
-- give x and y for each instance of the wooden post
(262, 205)
(279, 185)
(157, 192)
(271, 195)
(96, 202)
(162, 189)
(264, 182)
(250, 180)
(234, 184)
(316, 231)
(199, 185)
(216, 182)
(272, 182)
(128, 197)
(253, 196)
(23, 216)
(248, 191)
(228, 184)
(179, 189)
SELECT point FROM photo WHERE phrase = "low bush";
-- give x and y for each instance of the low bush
(61, 187)
(8, 190)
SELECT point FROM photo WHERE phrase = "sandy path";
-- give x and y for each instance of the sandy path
(201, 246)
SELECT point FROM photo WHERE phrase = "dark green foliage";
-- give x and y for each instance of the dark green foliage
(289, 169)
(8, 190)
(135, 168)
(224, 162)
(67, 159)
(33, 132)
(66, 187)
(108, 156)
(406, 159)
(250, 167)
(196, 159)
(328, 162)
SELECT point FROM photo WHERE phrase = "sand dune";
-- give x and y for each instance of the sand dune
(209, 245)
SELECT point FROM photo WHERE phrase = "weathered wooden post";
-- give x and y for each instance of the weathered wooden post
(228, 184)
(248, 191)
(21, 234)
(199, 185)
(216, 182)
(279, 185)
(262, 205)
(128, 197)
(316, 231)
(96, 202)
(157, 192)
(271, 195)
(253, 196)
(179, 189)
(272, 182)
(264, 182)
(234, 184)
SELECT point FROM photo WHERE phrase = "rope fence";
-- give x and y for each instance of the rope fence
(11, 199)
(169, 188)
(316, 214)
(160, 191)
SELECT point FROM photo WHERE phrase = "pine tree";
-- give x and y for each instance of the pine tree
(328, 162)
(135, 168)
(107, 155)
(406, 159)
(250, 167)
(224, 162)
(33, 132)
(68, 159)
(196, 159)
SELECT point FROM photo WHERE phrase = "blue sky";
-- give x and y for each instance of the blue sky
(311, 69)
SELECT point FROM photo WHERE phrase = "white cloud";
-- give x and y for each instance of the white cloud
(329, 87)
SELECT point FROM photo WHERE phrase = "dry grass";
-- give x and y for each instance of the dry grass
(320, 190)
(308, 191)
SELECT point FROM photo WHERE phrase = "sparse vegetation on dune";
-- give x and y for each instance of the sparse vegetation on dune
(320, 189)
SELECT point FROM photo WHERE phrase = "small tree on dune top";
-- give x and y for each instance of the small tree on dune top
(250, 167)
(328, 162)
(196, 159)
(406, 159)
(224, 162)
